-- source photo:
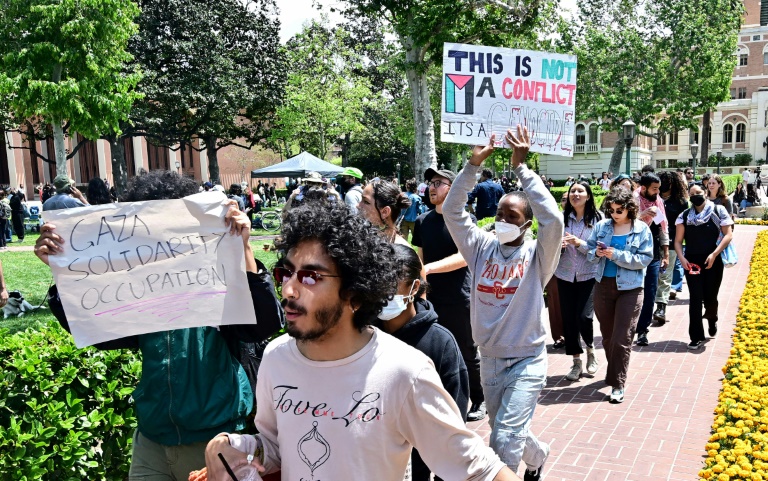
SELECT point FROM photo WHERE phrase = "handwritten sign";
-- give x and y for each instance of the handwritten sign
(487, 90)
(140, 267)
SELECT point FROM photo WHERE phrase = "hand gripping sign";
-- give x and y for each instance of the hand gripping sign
(487, 90)
(140, 267)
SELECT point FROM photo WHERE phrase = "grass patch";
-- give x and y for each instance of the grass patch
(25, 273)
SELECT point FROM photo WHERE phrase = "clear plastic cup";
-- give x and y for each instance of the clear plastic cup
(247, 473)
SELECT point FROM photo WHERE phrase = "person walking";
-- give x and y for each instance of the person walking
(5, 218)
(717, 195)
(17, 201)
(653, 214)
(410, 318)
(674, 192)
(701, 227)
(622, 248)
(576, 277)
(409, 218)
(450, 281)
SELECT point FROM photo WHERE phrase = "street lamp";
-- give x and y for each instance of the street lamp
(397, 166)
(178, 165)
(765, 144)
(629, 137)
(694, 153)
(719, 157)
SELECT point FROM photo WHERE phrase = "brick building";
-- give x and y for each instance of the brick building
(739, 126)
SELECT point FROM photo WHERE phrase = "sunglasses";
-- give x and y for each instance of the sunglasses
(694, 269)
(617, 211)
(437, 183)
(306, 277)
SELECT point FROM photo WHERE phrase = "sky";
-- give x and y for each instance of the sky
(293, 14)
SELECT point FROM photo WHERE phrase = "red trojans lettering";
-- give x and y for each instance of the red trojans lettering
(497, 289)
(494, 271)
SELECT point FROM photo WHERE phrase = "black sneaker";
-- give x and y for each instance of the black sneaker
(535, 475)
(693, 345)
(642, 339)
(712, 328)
(476, 412)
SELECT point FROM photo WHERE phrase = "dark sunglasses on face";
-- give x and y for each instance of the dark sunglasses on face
(306, 277)
(617, 211)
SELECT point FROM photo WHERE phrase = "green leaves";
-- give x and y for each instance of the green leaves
(59, 403)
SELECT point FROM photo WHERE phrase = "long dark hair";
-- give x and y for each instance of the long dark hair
(409, 267)
(678, 188)
(591, 214)
(97, 192)
(388, 194)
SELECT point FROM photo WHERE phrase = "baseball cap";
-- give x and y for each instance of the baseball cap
(314, 178)
(430, 172)
(61, 182)
(352, 172)
(207, 185)
(219, 188)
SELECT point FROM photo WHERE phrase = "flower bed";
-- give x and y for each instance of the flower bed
(738, 447)
(752, 221)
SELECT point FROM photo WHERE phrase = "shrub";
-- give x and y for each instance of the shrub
(65, 412)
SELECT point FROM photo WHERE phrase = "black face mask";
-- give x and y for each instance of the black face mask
(697, 200)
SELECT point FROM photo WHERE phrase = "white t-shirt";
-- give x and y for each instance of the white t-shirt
(359, 417)
(605, 183)
(421, 189)
(746, 176)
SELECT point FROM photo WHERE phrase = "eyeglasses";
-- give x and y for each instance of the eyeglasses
(617, 211)
(437, 183)
(306, 277)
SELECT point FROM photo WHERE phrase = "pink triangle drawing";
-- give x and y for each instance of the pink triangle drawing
(459, 80)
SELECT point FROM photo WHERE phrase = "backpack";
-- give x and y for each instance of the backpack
(5, 210)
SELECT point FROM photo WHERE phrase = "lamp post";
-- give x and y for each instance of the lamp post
(397, 166)
(765, 144)
(694, 153)
(629, 137)
(178, 165)
(719, 157)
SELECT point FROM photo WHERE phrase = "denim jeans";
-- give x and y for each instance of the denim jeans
(649, 296)
(512, 387)
(677, 276)
(745, 204)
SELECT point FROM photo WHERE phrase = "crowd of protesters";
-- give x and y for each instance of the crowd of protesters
(403, 346)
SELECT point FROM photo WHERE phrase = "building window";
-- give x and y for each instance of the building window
(673, 138)
(755, 38)
(580, 135)
(742, 92)
(743, 59)
(765, 58)
(593, 134)
(728, 134)
(662, 139)
(733, 94)
(741, 133)
(694, 136)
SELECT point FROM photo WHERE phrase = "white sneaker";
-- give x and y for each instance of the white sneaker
(617, 395)
(575, 372)
(591, 361)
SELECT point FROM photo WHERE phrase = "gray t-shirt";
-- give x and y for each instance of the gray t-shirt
(61, 201)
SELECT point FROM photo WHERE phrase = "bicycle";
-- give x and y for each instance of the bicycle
(267, 220)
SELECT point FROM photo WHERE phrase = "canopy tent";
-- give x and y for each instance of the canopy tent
(298, 166)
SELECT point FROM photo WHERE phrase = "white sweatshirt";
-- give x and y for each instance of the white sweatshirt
(359, 417)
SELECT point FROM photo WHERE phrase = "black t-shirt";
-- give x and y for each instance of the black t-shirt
(431, 234)
(16, 200)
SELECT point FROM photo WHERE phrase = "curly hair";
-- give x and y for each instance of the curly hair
(97, 192)
(365, 260)
(673, 182)
(159, 185)
(626, 200)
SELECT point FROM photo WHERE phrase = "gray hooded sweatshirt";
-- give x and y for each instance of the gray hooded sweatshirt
(507, 300)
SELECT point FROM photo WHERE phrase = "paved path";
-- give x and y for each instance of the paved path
(660, 430)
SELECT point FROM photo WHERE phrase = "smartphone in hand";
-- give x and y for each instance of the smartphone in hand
(601, 245)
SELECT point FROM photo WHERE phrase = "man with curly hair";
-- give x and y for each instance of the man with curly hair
(507, 301)
(338, 398)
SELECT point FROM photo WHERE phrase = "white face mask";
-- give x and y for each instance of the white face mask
(396, 306)
(506, 232)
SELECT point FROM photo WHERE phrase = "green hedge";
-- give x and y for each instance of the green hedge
(731, 181)
(65, 413)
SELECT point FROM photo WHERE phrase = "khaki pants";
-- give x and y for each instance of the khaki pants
(156, 462)
(406, 228)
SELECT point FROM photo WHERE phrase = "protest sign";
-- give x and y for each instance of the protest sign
(140, 267)
(487, 90)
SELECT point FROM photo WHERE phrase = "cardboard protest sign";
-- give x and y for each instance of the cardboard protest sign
(487, 90)
(140, 267)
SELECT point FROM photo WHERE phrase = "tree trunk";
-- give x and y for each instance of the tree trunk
(345, 150)
(704, 141)
(119, 169)
(213, 158)
(59, 148)
(423, 122)
(617, 156)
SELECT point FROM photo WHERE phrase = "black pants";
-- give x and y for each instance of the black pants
(419, 469)
(703, 290)
(18, 224)
(3, 223)
(577, 310)
(455, 318)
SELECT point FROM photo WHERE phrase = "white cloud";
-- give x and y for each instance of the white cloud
(294, 13)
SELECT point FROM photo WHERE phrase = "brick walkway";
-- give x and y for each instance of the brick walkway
(660, 430)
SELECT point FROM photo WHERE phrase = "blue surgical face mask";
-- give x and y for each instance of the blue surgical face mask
(396, 305)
